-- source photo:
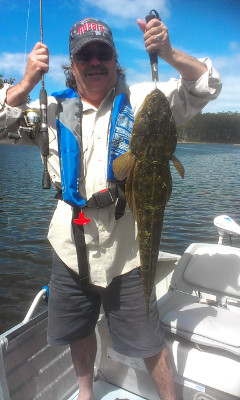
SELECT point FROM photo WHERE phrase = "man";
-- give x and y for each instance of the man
(105, 270)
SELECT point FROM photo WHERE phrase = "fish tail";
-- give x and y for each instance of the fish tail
(149, 235)
(147, 288)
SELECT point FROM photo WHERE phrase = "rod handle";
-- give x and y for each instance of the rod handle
(153, 55)
(46, 182)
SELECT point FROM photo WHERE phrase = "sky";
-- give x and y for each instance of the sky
(202, 28)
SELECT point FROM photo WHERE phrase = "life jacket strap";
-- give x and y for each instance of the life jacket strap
(79, 238)
(103, 198)
(106, 197)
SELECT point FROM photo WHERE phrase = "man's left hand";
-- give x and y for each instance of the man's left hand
(156, 38)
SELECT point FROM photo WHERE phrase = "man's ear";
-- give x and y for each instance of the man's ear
(73, 69)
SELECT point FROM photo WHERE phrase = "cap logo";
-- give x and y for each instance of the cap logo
(90, 27)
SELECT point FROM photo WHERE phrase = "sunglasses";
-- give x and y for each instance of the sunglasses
(105, 54)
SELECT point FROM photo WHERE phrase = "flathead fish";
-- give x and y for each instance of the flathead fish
(149, 182)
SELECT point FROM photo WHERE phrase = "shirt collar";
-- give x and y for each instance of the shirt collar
(121, 87)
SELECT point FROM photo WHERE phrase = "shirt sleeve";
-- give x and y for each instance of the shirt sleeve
(186, 98)
(10, 120)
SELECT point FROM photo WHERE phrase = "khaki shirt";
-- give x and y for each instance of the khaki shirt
(112, 246)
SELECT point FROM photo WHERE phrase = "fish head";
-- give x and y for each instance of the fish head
(154, 127)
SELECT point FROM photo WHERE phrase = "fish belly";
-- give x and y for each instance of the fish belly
(151, 187)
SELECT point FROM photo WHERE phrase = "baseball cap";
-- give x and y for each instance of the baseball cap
(89, 30)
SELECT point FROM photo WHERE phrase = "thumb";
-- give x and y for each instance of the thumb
(141, 24)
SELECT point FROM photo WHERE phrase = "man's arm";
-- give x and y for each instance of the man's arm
(156, 39)
(37, 62)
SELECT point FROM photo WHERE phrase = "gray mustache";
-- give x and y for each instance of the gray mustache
(97, 69)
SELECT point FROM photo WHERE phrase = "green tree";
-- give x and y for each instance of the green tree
(223, 127)
(2, 81)
(11, 82)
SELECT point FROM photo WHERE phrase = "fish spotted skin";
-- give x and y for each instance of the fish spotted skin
(149, 182)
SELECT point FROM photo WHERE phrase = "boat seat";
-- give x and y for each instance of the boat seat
(203, 302)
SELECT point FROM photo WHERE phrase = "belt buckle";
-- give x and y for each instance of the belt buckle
(103, 198)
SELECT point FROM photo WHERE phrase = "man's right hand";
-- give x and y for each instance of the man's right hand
(37, 62)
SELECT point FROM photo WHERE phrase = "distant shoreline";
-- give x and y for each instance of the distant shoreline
(185, 142)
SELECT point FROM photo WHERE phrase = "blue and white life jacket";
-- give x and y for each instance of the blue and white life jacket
(69, 127)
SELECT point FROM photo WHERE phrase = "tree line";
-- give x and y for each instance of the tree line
(2, 81)
(11, 82)
(223, 127)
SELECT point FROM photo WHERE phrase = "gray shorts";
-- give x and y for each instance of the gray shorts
(73, 313)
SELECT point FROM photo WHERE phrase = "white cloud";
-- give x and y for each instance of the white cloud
(129, 9)
(55, 71)
(144, 75)
(229, 98)
(228, 64)
(134, 43)
(13, 65)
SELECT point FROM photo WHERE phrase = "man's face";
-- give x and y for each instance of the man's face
(95, 71)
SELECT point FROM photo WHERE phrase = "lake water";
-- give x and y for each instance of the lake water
(211, 187)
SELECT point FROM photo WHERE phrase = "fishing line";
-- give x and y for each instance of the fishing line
(26, 36)
(8, 215)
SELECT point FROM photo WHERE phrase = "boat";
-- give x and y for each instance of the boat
(199, 305)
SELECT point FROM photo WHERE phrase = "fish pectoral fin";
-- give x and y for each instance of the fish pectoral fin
(123, 164)
(178, 165)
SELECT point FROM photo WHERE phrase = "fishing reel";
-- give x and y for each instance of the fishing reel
(31, 125)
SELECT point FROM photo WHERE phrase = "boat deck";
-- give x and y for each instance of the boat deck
(106, 391)
(32, 369)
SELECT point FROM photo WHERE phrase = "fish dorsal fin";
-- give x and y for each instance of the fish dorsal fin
(122, 165)
(178, 165)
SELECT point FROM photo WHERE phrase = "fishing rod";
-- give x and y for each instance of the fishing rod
(46, 182)
(35, 122)
(153, 55)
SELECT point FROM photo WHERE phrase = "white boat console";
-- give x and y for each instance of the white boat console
(201, 318)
